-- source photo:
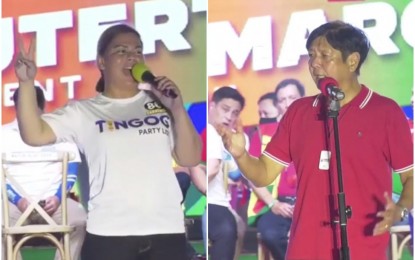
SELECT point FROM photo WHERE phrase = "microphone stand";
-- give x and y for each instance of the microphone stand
(345, 212)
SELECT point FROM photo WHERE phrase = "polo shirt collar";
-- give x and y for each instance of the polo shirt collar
(360, 100)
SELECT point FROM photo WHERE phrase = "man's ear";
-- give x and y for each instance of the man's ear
(211, 105)
(353, 61)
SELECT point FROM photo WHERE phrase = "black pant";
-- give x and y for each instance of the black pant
(152, 247)
(222, 232)
(274, 230)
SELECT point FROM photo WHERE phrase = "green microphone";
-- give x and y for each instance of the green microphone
(141, 73)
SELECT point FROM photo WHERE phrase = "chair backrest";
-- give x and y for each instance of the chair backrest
(32, 157)
(397, 246)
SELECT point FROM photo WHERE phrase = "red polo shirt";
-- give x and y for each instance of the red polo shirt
(374, 140)
(260, 138)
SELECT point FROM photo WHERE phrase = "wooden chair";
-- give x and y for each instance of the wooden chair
(396, 249)
(263, 252)
(18, 234)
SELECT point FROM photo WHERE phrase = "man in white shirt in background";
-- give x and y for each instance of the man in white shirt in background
(225, 228)
(42, 180)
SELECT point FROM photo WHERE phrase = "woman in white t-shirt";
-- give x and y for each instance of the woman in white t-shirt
(129, 137)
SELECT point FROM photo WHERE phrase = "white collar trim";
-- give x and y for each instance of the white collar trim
(361, 106)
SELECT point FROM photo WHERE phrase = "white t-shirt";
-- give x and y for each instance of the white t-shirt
(127, 144)
(39, 180)
(217, 193)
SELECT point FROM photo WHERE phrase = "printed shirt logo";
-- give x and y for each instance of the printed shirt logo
(157, 124)
(154, 107)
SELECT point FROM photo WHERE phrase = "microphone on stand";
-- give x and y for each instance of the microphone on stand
(329, 88)
(141, 73)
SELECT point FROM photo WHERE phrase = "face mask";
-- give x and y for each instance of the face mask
(265, 120)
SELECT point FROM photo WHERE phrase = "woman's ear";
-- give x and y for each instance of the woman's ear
(100, 63)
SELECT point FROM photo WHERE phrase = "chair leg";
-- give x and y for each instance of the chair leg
(66, 247)
(402, 245)
(9, 245)
(267, 254)
(394, 249)
(15, 250)
(263, 252)
(260, 251)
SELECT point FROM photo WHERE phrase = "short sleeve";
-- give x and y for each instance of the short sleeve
(247, 142)
(400, 142)
(279, 146)
(72, 149)
(215, 147)
(64, 122)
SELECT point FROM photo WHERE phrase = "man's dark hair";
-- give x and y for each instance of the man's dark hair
(228, 92)
(344, 38)
(287, 82)
(269, 95)
(40, 97)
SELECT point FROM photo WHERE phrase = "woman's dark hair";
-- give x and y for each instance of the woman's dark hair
(40, 97)
(344, 38)
(104, 41)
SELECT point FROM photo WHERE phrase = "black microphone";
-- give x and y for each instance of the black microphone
(141, 73)
(328, 87)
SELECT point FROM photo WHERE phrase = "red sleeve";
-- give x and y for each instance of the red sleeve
(279, 146)
(203, 137)
(400, 141)
(255, 144)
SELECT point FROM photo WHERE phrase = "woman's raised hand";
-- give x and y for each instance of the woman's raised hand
(25, 66)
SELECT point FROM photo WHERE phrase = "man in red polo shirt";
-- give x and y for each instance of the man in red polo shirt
(275, 221)
(374, 139)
